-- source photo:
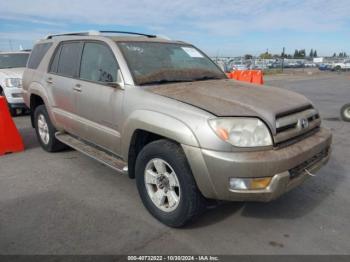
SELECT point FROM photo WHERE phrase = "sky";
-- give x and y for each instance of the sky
(218, 27)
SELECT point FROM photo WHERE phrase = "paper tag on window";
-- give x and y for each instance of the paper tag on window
(192, 52)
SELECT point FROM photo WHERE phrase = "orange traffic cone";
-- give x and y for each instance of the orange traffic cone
(10, 139)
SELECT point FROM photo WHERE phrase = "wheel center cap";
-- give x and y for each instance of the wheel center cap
(163, 182)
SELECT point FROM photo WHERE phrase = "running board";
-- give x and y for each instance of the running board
(93, 152)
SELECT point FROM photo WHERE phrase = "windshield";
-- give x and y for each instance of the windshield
(13, 60)
(156, 63)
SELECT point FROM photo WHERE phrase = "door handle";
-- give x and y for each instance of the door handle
(77, 88)
(49, 80)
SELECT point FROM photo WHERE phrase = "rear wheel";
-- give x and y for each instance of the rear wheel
(345, 113)
(46, 131)
(337, 68)
(166, 185)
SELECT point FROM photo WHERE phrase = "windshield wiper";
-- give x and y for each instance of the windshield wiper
(203, 78)
(164, 81)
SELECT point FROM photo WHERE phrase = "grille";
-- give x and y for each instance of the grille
(293, 127)
(17, 95)
(296, 171)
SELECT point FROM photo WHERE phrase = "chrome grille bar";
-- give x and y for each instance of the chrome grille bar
(294, 126)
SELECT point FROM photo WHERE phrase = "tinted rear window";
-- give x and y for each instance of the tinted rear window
(37, 55)
(69, 59)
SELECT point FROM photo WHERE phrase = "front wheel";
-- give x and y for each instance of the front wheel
(345, 113)
(166, 185)
(45, 131)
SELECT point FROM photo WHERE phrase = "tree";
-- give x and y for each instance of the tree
(266, 55)
(248, 56)
(315, 53)
(334, 55)
(296, 53)
(311, 55)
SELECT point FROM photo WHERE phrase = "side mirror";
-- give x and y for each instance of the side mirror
(119, 83)
(114, 85)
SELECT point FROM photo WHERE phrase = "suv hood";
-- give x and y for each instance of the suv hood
(11, 72)
(228, 97)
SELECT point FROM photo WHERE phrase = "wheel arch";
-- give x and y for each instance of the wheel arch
(35, 101)
(35, 96)
(144, 127)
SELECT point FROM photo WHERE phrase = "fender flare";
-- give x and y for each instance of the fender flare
(148, 120)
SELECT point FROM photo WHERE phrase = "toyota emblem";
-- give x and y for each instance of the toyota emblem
(303, 123)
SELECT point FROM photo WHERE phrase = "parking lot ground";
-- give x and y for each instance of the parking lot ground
(67, 203)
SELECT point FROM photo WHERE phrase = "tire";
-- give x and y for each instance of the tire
(190, 202)
(345, 113)
(43, 126)
(337, 69)
(13, 111)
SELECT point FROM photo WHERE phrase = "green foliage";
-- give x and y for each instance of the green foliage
(299, 53)
(266, 55)
(248, 56)
(311, 53)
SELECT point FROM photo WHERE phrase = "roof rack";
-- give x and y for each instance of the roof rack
(87, 33)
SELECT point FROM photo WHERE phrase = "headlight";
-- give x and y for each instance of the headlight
(13, 82)
(242, 132)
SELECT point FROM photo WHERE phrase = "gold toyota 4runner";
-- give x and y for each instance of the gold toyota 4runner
(162, 112)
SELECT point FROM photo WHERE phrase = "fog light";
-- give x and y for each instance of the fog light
(249, 183)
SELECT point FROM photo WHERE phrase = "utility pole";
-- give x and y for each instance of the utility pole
(283, 59)
(10, 42)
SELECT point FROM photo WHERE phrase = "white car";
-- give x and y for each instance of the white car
(12, 65)
(341, 66)
(238, 66)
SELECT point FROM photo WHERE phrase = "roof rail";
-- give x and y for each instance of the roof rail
(127, 33)
(87, 33)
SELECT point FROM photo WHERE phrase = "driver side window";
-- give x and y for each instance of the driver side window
(98, 64)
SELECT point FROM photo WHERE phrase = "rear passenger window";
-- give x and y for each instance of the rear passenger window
(69, 58)
(98, 64)
(54, 62)
(37, 54)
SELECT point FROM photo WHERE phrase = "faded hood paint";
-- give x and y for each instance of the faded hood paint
(12, 72)
(232, 98)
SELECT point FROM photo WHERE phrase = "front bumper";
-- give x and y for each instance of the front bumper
(212, 170)
(18, 106)
(14, 95)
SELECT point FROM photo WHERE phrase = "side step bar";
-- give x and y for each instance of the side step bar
(93, 152)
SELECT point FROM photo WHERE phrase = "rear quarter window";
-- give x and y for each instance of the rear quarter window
(68, 60)
(37, 55)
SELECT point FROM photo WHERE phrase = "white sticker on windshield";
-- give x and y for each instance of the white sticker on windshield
(192, 52)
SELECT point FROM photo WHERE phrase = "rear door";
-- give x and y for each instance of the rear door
(99, 105)
(61, 80)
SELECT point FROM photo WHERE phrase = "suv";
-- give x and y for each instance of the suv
(164, 113)
(12, 65)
